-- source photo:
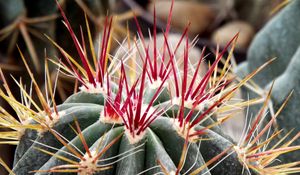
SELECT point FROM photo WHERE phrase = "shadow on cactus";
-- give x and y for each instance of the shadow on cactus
(163, 122)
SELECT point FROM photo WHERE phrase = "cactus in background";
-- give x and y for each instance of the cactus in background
(25, 23)
(162, 122)
(278, 38)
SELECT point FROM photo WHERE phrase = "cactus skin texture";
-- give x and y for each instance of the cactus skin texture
(278, 38)
(162, 122)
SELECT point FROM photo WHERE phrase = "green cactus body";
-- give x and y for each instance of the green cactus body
(284, 84)
(28, 136)
(278, 38)
(160, 142)
(93, 133)
(84, 97)
(83, 114)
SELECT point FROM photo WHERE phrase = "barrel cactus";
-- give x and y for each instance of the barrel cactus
(163, 122)
(278, 38)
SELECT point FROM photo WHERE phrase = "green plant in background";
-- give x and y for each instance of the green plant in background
(278, 38)
(165, 121)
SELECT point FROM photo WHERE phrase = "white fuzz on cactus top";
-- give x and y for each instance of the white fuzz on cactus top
(50, 122)
(189, 103)
(89, 165)
(110, 119)
(155, 84)
(90, 88)
(134, 138)
(184, 130)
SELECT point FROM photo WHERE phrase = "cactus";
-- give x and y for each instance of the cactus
(278, 38)
(165, 121)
